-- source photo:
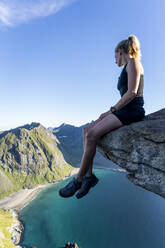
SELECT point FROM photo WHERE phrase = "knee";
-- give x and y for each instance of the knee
(90, 135)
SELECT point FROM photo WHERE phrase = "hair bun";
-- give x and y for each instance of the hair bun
(131, 46)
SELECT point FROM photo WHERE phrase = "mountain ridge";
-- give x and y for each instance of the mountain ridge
(29, 156)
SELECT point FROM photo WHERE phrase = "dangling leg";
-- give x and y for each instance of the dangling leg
(85, 130)
(87, 159)
(107, 124)
(102, 127)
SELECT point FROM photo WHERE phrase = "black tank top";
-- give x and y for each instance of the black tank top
(122, 86)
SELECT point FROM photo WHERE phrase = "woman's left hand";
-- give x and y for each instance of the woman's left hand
(105, 114)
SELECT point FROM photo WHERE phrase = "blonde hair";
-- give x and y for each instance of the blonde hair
(130, 46)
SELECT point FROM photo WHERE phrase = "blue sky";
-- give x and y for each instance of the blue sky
(57, 58)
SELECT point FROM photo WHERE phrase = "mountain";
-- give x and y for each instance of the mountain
(29, 155)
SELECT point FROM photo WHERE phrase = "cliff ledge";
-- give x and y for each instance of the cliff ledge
(139, 148)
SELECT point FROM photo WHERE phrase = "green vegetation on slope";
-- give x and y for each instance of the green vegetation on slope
(29, 157)
(6, 221)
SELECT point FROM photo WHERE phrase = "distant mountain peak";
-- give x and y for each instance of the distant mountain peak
(63, 124)
(28, 126)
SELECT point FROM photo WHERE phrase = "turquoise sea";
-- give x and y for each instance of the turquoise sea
(114, 214)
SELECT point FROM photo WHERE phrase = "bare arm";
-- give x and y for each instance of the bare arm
(133, 84)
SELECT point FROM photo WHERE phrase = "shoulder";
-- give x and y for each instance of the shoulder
(134, 65)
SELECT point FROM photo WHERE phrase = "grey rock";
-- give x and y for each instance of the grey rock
(139, 148)
(17, 228)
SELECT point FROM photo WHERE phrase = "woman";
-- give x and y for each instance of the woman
(127, 110)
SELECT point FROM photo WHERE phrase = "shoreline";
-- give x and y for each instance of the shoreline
(20, 199)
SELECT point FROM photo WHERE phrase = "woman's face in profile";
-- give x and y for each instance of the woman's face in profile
(118, 59)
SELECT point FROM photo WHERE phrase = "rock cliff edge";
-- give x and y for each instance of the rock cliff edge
(139, 148)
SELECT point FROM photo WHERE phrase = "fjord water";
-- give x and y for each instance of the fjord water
(114, 214)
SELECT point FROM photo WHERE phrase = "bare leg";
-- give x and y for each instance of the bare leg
(87, 128)
(87, 159)
(107, 124)
(89, 171)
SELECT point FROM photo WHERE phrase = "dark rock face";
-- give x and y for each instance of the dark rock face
(139, 148)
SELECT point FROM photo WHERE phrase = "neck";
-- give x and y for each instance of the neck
(126, 58)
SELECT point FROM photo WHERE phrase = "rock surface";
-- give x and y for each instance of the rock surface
(17, 228)
(139, 148)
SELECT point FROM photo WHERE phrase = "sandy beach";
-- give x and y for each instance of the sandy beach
(15, 202)
(20, 199)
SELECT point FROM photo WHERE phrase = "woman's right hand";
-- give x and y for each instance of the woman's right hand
(105, 114)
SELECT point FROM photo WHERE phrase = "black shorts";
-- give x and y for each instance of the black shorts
(130, 113)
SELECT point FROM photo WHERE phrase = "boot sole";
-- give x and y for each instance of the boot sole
(71, 194)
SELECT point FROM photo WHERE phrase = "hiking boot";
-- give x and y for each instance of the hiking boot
(87, 183)
(70, 188)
